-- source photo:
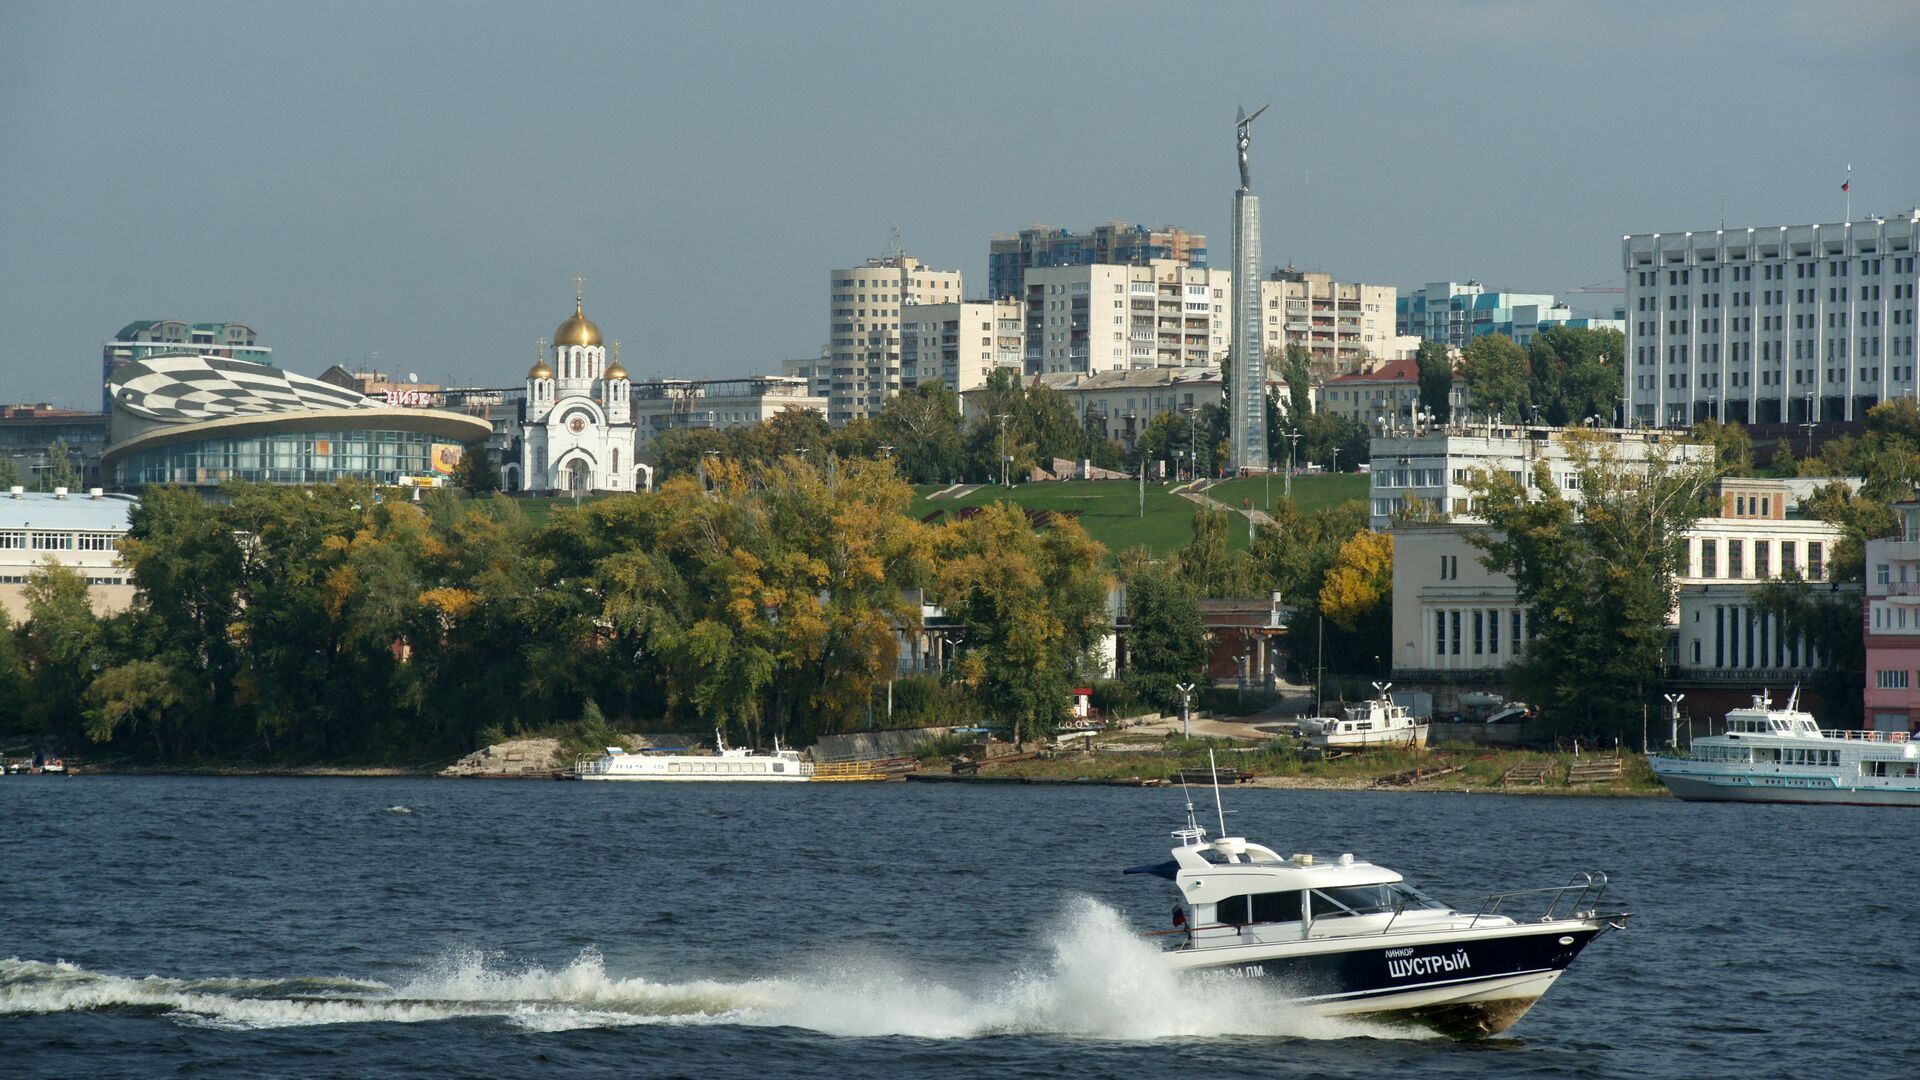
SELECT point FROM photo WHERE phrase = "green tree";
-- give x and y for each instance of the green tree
(1860, 518)
(1732, 446)
(10, 474)
(923, 427)
(1033, 604)
(61, 471)
(1497, 377)
(1828, 620)
(63, 645)
(1598, 578)
(1575, 374)
(1436, 379)
(1166, 640)
(478, 473)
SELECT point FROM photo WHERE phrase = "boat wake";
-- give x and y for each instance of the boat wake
(1102, 982)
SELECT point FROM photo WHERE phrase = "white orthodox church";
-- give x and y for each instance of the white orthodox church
(576, 425)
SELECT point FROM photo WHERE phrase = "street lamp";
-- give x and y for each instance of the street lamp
(1002, 417)
(1193, 428)
(1186, 709)
(1293, 441)
(1336, 460)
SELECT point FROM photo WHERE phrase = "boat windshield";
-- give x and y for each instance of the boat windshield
(1385, 898)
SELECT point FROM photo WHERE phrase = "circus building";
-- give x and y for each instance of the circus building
(576, 431)
(200, 421)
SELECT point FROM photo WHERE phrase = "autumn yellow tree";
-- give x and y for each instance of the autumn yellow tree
(1360, 581)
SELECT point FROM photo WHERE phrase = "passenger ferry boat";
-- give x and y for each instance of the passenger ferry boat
(731, 764)
(1377, 722)
(1349, 938)
(1782, 755)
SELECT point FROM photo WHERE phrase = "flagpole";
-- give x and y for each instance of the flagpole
(1848, 188)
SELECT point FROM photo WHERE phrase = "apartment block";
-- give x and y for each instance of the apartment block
(1110, 317)
(864, 324)
(151, 337)
(1456, 313)
(1893, 626)
(1770, 325)
(961, 343)
(1341, 324)
(1010, 257)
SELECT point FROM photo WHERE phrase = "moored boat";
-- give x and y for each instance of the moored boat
(1348, 938)
(1378, 721)
(730, 764)
(1783, 755)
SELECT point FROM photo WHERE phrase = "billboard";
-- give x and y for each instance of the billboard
(446, 458)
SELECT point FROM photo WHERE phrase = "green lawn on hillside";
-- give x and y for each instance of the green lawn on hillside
(1313, 491)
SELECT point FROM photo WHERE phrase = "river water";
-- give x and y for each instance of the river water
(318, 928)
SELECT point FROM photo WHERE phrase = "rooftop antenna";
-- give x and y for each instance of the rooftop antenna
(894, 250)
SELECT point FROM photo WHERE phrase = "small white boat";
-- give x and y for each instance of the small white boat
(731, 764)
(1344, 937)
(1782, 755)
(1376, 722)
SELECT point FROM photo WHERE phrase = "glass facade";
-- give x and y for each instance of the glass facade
(292, 458)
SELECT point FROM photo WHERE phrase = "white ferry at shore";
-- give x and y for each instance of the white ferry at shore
(1782, 755)
(1344, 937)
(730, 764)
(1377, 722)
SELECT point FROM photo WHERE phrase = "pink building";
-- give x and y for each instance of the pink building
(1893, 626)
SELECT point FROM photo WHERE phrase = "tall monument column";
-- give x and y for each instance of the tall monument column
(1246, 398)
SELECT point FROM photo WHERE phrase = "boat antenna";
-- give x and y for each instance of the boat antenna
(1218, 809)
(1793, 701)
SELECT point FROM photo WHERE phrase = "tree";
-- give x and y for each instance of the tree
(477, 473)
(1361, 581)
(130, 693)
(1860, 518)
(1436, 379)
(1598, 578)
(62, 645)
(1732, 446)
(1166, 640)
(10, 474)
(1575, 374)
(923, 427)
(1497, 376)
(1033, 604)
(60, 471)
(1827, 620)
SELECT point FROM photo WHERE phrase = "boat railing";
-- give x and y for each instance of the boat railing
(1580, 895)
(1865, 736)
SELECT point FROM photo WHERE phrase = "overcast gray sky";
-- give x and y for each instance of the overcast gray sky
(420, 180)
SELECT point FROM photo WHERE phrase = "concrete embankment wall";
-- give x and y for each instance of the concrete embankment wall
(868, 745)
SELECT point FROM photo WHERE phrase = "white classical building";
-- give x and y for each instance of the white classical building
(1451, 614)
(575, 430)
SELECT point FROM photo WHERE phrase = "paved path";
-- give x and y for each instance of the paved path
(957, 491)
(1193, 493)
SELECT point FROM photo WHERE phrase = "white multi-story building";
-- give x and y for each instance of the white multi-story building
(1341, 324)
(1434, 464)
(1122, 403)
(960, 343)
(78, 531)
(1106, 317)
(1770, 325)
(717, 404)
(864, 317)
(1452, 614)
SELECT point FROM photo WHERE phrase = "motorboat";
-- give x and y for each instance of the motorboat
(1783, 755)
(732, 764)
(1378, 721)
(1345, 937)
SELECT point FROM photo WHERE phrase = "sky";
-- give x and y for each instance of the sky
(418, 182)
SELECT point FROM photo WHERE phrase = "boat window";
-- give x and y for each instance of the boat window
(1370, 900)
(1259, 908)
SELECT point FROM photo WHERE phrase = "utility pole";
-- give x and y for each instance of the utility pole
(1193, 422)
(1143, 480)
(1186, 709)
(1293, 441)
(1002, 417)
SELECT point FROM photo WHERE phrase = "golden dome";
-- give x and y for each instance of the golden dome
(540, 370)
(578, 330)
(615, 371)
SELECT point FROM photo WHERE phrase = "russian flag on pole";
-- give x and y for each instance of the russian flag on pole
(1847, 185)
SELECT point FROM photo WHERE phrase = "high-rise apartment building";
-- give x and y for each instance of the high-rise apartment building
(1770, 325)
(1453, 313)
(1010, 257)
(865, 316)
(151, 337)
(1341, 324)
(960, 343)
(1108, 317)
